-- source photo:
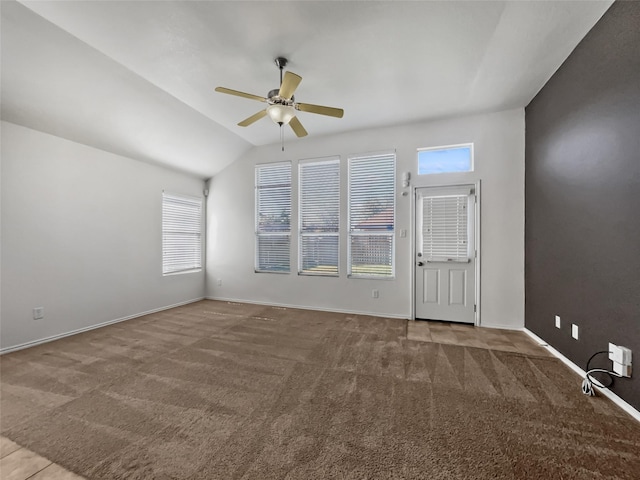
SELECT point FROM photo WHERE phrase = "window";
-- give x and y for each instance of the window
(456, 158)
(181, 233)
(371, 215)
(273, 217)
(319, 216)
(445, 227)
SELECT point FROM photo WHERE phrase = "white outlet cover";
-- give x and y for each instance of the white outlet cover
(623, 370)
(619, 354)
(557, 321)
(574, 331)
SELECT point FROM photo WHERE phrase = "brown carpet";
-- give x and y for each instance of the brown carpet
(216, 390)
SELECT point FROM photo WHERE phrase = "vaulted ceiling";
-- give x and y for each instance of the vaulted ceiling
(137, 78)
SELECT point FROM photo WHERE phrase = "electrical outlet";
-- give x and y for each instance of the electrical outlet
(38, 313)
(375, 293)
(557, 321)
(622, 370)
(620, 355)
(403, 233)
(219, 282)
(574, 331)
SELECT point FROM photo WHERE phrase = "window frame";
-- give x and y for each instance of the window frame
(472, 164)
(257, 233)
(354, 234)
(332, 160)
(197, 201)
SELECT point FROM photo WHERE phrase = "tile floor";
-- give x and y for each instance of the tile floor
(470, 336)
(17, 463)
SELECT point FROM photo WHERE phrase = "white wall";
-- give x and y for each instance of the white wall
(499, 160)
(81, 236)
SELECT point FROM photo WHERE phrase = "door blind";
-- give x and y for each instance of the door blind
(445, 228)
(181, 233)
(319, 216)
(273, 217)
(371, 215)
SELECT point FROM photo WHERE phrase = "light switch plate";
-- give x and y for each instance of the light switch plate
(574, 331)
(557, 321)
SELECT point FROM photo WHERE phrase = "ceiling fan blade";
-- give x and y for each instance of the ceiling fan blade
(253, 118)
(297, 127)
(240, 94)
(289, 84)
(330, 111)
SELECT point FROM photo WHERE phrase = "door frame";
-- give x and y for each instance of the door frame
(476, 218)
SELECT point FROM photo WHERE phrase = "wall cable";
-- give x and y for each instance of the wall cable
(589, 381)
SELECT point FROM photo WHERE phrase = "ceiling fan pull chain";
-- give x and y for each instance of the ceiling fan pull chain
(282, 137)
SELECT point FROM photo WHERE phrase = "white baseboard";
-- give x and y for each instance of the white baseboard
(604, 391)
(93, 327)
(501, 327)
(303, 307)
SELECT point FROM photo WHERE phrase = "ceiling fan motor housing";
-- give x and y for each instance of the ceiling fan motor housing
(274, 98)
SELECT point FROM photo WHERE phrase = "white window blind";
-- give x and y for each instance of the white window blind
(273, 217)
(445, 228)
(319, 193)
(181, 233)
(371, 216)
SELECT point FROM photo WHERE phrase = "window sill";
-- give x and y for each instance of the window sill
(309, 274)
(371, 277)
(181, 272)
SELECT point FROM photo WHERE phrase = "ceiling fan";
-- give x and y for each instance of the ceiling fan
(281, 104)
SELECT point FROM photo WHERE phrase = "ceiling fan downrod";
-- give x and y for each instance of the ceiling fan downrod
(281, 62)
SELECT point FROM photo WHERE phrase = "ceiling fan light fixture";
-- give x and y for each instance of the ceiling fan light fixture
(281, 114)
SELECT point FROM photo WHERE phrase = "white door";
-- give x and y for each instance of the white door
(445, 254)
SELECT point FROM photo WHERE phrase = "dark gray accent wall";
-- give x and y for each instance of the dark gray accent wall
(582, 200)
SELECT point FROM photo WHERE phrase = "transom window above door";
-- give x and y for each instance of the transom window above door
(449, 159)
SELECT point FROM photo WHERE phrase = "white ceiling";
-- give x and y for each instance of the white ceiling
(137, 78)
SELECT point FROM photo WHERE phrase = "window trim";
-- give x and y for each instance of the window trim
(392, 234)
(316, 161)
(472, 166)
(200, 236)
(257, 234)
